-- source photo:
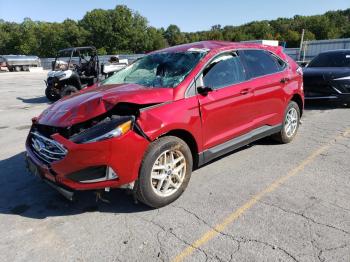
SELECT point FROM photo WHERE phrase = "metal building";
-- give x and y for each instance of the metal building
(310, 49)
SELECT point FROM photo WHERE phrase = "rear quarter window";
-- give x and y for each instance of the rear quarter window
(260, 63)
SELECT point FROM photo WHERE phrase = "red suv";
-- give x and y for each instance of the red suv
(148, 126)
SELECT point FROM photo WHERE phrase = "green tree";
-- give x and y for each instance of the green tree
(5, 37)
(154, 39)
(174, 36)
(73, 35)
(98, 24)
(123, 30)
(28, 42)
(259, 30)
(215, 33)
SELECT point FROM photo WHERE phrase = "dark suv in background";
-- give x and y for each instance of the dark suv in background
(327, 77)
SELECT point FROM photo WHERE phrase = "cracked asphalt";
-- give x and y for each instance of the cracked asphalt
(304, 218)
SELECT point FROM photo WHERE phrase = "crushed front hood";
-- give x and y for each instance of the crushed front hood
(93, 102)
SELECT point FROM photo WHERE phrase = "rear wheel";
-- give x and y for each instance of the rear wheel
(68, 90)
(165, 172)
(17, 68)
(290, 124)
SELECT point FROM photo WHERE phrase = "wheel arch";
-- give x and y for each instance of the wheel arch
(189, 139)
(297, 99)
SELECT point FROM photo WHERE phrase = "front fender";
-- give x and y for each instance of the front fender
(178, 115)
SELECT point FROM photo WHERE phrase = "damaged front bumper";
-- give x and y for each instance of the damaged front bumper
(110, 163)
(43, 172)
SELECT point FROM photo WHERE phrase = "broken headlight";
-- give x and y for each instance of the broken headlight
(108, 128)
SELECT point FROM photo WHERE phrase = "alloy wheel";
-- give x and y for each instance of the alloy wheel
(291, 122)
(168, 173)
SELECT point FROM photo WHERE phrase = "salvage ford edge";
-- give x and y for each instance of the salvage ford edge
(149, 125)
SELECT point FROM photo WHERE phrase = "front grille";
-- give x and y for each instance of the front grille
(46, 149)
(48, 131)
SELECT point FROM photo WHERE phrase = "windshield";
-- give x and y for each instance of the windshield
(64, 61)
(158, 70)
(341, 59)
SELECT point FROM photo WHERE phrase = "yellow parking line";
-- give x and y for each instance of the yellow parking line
(248, 205)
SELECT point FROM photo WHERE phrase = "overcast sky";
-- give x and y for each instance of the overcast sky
(189, 15)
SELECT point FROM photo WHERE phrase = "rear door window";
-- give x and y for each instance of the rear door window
(225, 70)
(260, 63)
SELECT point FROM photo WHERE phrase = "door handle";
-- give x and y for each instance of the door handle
(284, 80)
(245, 91)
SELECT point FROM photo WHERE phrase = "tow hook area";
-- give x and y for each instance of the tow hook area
(130, 190)
(99, 196)
(64, 192)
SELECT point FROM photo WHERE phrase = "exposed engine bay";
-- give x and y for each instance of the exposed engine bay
(121, 113)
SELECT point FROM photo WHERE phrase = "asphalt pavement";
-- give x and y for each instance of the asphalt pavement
(264, 202)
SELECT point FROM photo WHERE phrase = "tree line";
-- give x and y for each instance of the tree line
(121, 30)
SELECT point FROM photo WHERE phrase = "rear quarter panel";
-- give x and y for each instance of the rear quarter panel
(295, 84)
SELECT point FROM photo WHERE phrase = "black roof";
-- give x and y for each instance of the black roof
(337, 51)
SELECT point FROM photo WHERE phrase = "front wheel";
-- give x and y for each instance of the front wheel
(165, 172)
(290, 125)
(68, 90)
(52, 94)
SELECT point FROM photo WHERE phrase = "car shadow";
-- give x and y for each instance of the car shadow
(323, 105)
(223, 156)
(263, 141)
(35, 100)
(25, 195)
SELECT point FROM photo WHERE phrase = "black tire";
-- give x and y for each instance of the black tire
(144, 185)
(51, 94)
(17, 68)
(282, 136)
(68, 90)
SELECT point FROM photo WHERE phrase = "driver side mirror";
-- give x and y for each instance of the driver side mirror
(204, 90)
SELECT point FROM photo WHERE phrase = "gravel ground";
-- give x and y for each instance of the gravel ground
(265, 202)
